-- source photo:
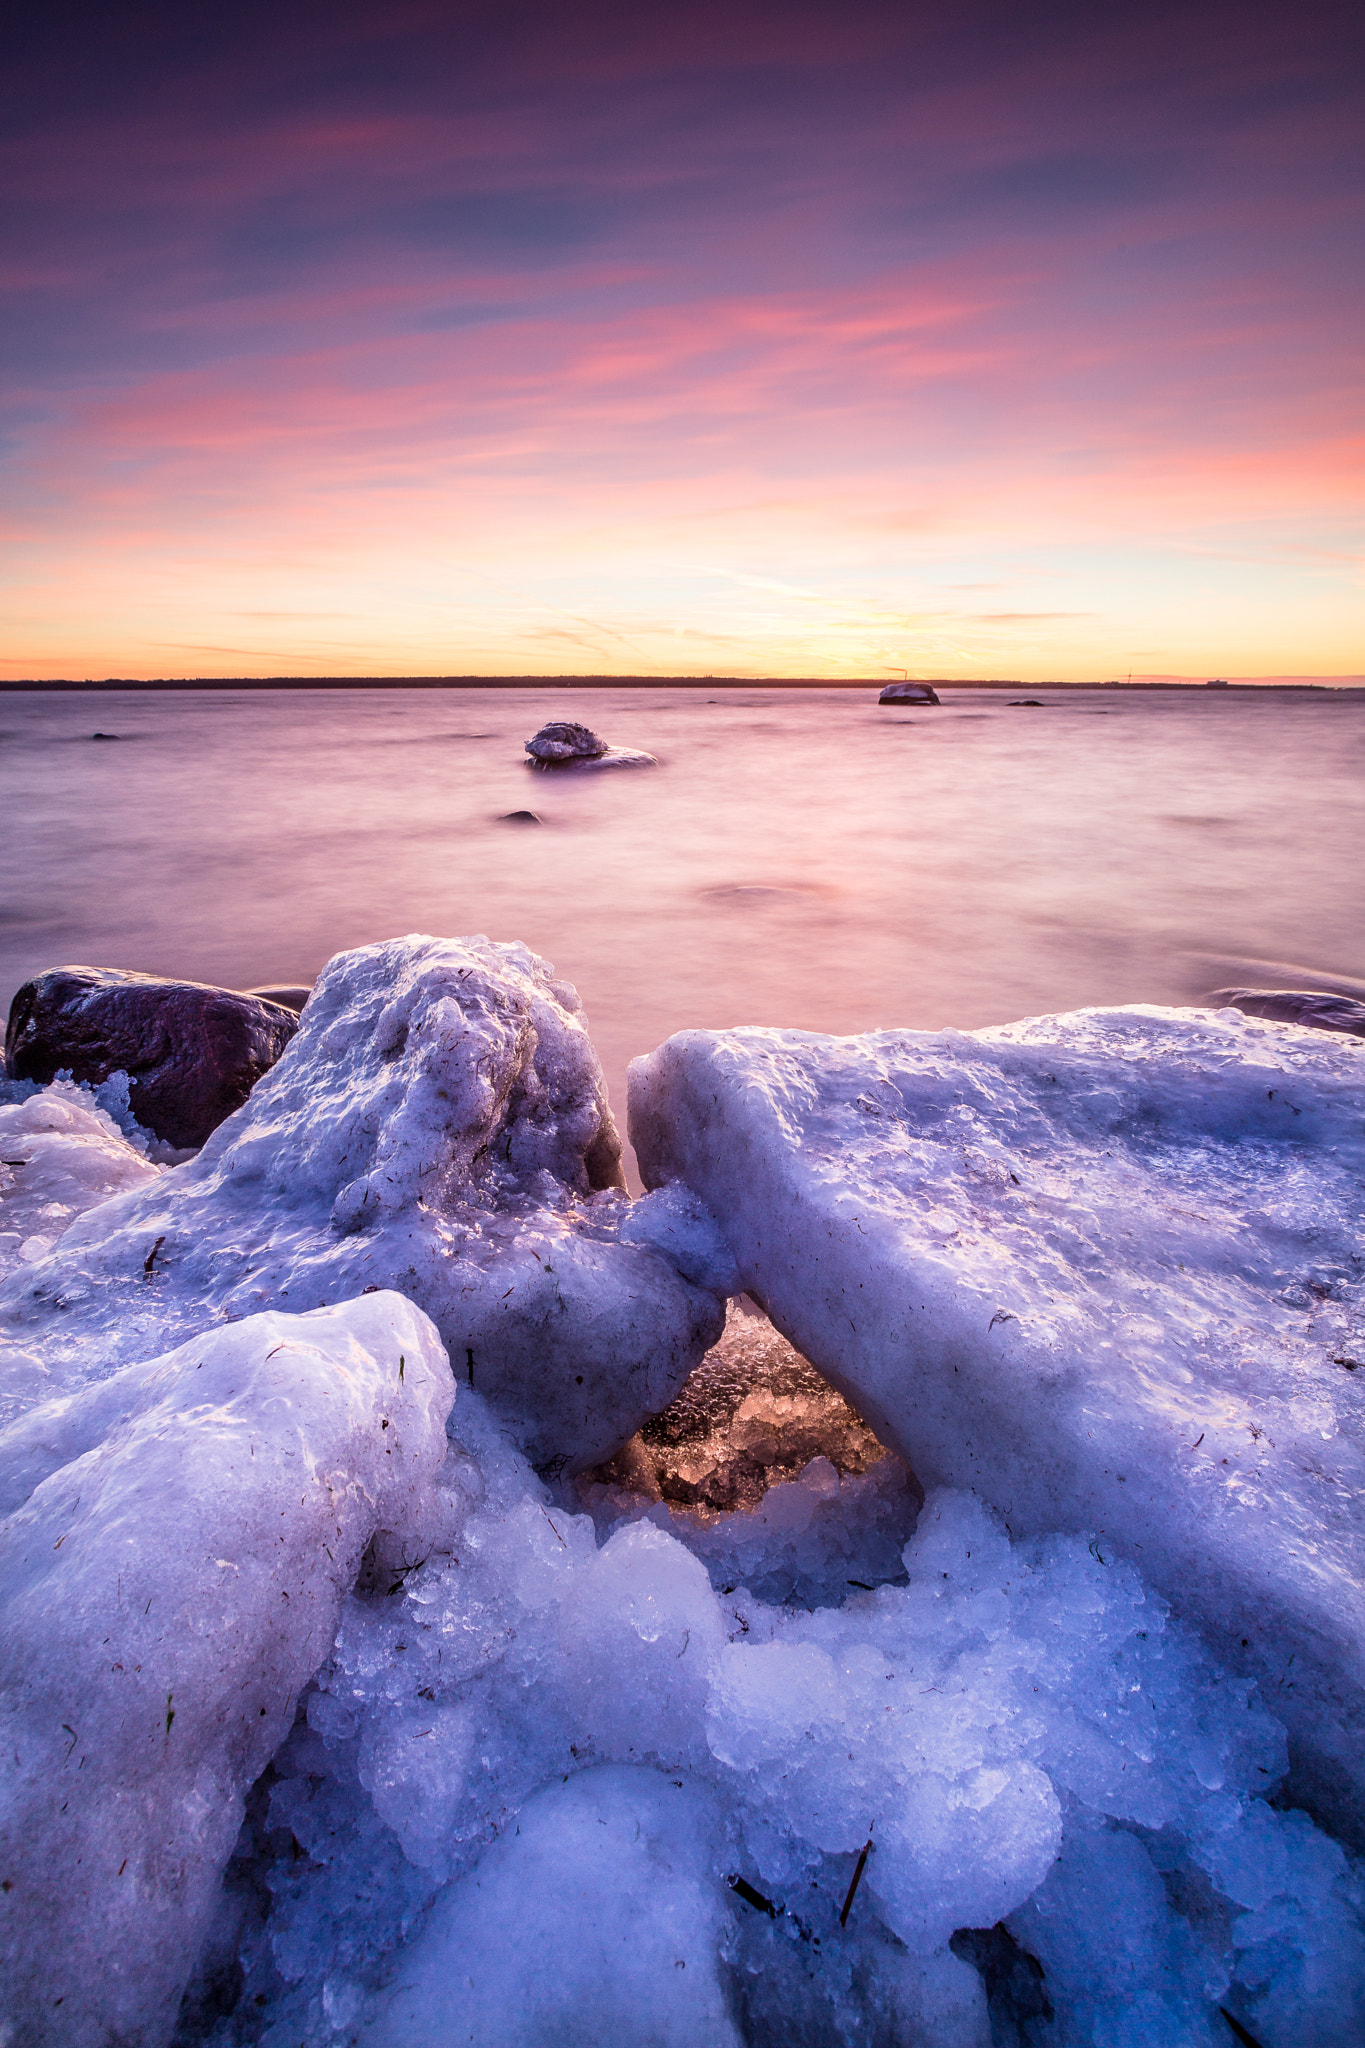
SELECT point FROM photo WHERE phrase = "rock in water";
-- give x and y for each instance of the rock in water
(290, 995)
(438, 1125)
(176, 1546)
(1103, 1268)
(563, 744)
(563, 740)
(192, 1054)
(909, 693)
(1320, 1008)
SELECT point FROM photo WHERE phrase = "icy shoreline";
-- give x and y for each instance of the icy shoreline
(471, 1760)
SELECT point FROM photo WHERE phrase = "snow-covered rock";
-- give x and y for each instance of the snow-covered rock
(1104, 1268)
(565, 744)
(176, 1544)
(60, 1154)
(438, 1125)
(564, 739)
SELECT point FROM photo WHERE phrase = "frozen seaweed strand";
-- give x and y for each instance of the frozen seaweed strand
(1106, 1268)
(439, 1125)
(176, 1545)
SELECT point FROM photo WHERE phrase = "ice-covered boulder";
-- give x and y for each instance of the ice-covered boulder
(565, 744)
(438, 1125)
(1104, 1268)
(176, 1544)
(565, 740)
(60, 1154)
(192, 1053)
(598, 1920)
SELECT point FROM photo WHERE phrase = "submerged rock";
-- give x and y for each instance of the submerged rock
(290, 995)
(752, 1416)
(1105, 1269)
(909, 693)
(174, 1551)
(1320, 1008)
(439, 1124)
(192, 1053)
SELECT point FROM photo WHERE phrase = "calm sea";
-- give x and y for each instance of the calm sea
(798, 857)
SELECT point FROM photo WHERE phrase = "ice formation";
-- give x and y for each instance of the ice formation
(175, 1547)
(597, 1919)
(439, 1125)
(543, 1778)
(1105, 1269)
(61, 1153)
(530, 1757)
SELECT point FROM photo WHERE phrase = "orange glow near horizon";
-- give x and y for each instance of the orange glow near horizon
(1077, 433)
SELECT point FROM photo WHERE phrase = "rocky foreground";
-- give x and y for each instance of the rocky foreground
(407, 1637)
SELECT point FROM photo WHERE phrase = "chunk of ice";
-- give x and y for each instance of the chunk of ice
(597, 1920)
(176, 1545)
(61, 1153)
(439, 1125)
(1105, 1268)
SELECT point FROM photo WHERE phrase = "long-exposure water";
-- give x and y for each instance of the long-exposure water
(805, 858)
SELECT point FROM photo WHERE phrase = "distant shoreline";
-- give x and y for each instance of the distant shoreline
(70, 685)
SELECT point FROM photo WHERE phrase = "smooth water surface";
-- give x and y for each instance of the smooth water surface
(799, 857)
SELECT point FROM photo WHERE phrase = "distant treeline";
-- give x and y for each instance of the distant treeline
(566, 683)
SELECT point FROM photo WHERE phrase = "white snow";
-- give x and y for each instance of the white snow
(176, 1545)
(439, 1125)
(1106, 1269)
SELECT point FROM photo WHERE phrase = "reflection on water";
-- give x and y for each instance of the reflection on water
(802, 858)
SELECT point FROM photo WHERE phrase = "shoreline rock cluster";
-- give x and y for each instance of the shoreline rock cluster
(413, 1603)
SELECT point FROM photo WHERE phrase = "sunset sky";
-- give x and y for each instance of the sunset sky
(978, 340)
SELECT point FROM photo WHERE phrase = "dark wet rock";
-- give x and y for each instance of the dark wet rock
(562, 740)
(192, 1053)
(1026, 704)
(520, 818)
(1317, 1007)
(289, 995)
(104, 735)
(908, 693)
